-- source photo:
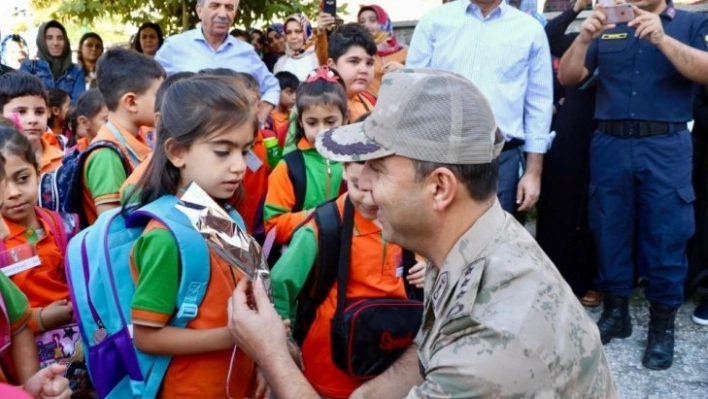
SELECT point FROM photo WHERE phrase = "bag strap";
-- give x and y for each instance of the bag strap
(56, 226)
(74, 194)
(134, 159)
(345, 252)
(194, 277)
(298, 177)
(329, 227)
(324, 272)
(409, 260)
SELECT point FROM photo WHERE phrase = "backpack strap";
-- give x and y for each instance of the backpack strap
(298, 177)
(324, 273)
(56, 226)
(344, 264)
(194, 277)
(408, 261)
(134, 159)
(73, 199)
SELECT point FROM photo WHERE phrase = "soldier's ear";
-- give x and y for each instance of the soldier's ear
(443, 187)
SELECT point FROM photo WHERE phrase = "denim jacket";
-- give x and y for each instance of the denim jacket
(71, 81)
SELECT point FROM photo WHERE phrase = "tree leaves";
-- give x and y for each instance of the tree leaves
(173, 15)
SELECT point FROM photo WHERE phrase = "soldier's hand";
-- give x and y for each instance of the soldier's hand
(647, 25)
(594, 25)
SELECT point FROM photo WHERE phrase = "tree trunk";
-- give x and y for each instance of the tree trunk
(185, 15)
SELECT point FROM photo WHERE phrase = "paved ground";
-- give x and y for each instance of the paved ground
(686, 379)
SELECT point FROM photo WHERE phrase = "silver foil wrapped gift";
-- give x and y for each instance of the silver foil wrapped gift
(224, 235)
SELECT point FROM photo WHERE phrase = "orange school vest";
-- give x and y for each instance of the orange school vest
(255, 185)
(45, 283)
(372, 275)
(205, 375)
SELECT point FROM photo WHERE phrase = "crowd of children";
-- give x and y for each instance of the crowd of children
(140, 137)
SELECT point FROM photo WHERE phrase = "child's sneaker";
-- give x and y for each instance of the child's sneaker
(700, 315)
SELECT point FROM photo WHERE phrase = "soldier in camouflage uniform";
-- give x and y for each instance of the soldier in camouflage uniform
(499, 320)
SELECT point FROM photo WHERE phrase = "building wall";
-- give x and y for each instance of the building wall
(404, 29)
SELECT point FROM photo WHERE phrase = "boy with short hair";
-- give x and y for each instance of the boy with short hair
(128, 192)
(128, 82)
(351, 53)
(23, 97)
(279, 116)
(375, 271)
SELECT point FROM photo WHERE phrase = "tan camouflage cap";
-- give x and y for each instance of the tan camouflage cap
(422, 114)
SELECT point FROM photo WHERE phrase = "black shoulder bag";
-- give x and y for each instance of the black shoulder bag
(367, 334)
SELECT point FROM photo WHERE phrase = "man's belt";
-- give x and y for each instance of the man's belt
(513, 143)
(632, 128)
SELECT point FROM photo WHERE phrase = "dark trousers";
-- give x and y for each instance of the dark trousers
(509, 172)
(641, 210)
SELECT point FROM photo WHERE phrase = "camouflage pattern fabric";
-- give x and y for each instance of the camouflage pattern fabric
(500, 322)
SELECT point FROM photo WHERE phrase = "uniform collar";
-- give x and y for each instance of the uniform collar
(669, 12)
(49, 154)
(15, 230)
(467, 250)
(304, 145)
(137, 144)
(364, 226)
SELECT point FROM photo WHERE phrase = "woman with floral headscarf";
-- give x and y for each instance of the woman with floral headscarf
(300, 57)
(54, 65)
(391, 56)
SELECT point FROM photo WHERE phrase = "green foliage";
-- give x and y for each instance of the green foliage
(173, 15)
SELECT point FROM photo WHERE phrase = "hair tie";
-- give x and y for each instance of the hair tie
(324, 73)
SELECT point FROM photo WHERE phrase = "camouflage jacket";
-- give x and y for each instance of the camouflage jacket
(500, 322)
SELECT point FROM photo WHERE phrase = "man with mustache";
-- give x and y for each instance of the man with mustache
(210, 46)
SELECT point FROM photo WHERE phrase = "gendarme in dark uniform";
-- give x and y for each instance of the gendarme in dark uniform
(641, 194)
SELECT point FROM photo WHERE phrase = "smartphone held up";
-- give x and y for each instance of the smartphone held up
(616, 13)
(329, 7)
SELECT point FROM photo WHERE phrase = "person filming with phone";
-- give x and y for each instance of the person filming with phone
(648, 56)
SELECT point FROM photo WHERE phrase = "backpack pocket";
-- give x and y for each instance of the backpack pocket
(113, 357)
(373, 334)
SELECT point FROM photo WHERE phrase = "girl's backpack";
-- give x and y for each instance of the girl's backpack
(102, 288)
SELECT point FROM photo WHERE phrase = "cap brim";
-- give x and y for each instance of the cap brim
(349, 144)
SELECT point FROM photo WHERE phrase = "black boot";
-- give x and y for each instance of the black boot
(615, 321)
(659, 354)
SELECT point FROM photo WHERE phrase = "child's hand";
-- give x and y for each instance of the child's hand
(325, 21)
(288, 330)
(392, 66)
(416, 276)
(49, 383)
(262, 388)
(57, 314)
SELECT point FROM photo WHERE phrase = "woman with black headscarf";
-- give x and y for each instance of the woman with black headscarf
(53, 64)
